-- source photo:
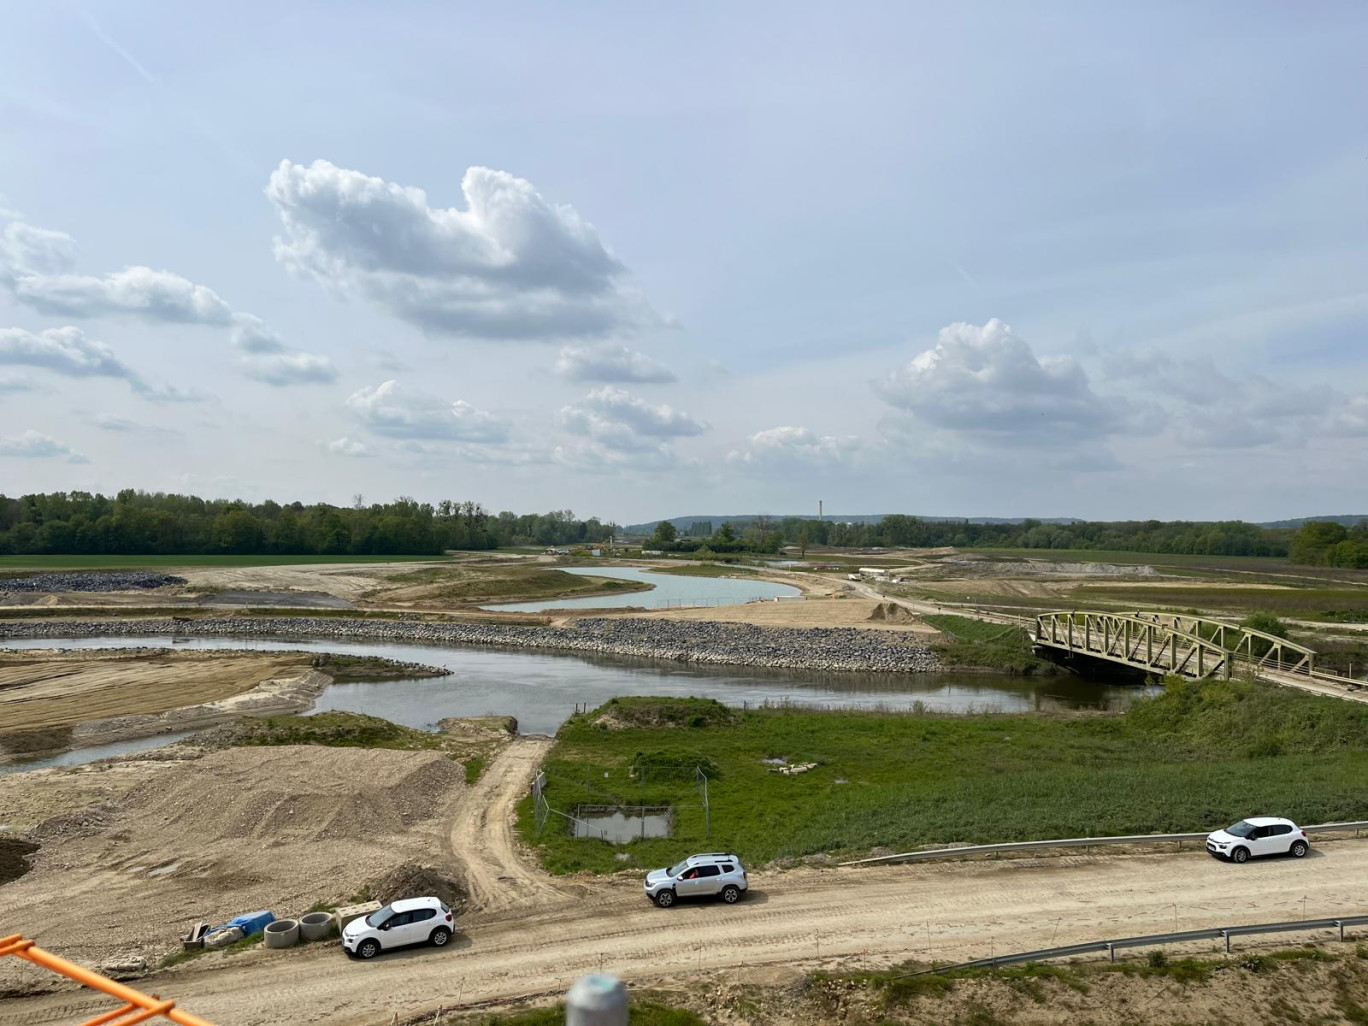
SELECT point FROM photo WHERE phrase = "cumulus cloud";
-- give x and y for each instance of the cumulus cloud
(987, 381)
(611, 413)
(68, 352)
(790, 445)
(35, 445)
(613, 364)
(395, 412)
(347, 447)
(36, 267)
(266, 358)
(509, 265)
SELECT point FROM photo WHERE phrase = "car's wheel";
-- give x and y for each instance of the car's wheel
(1240, 855)
(368, 949)
(731, 895)
(440, 936)
(1298, 849)
(665, 899)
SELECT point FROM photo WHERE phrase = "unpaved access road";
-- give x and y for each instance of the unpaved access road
(536, 934)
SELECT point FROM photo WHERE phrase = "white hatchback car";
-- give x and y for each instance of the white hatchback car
(404, 922)
(1258, 835)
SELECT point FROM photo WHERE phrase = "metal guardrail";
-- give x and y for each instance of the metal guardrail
(1073, 842)
(1110, 947)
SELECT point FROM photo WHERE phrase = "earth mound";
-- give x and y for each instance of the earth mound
(415, 880)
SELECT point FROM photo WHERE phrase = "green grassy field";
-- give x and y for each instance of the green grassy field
(1192, 758)
(164, 562)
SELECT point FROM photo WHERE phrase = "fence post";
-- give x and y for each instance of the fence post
(596, 1000)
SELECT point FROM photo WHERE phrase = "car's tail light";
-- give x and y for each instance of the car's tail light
(1303, 833)
(448, 917)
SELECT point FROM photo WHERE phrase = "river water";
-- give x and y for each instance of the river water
(667, 590)
(543, 689)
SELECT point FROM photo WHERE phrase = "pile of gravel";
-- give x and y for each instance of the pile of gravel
(693, 641)
(112, 580)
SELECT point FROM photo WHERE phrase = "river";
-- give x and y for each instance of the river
(542, 689)
(667, 590)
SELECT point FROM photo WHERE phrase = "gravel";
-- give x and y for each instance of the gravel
(687, 641)
(114, 580)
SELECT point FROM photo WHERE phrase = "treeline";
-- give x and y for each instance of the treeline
(1330, 544)
(1224, 538)
(142, 523)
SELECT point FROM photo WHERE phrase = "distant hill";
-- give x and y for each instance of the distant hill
(1347, 519)
(717, 519)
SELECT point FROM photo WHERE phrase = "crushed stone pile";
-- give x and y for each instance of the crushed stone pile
(114, 580)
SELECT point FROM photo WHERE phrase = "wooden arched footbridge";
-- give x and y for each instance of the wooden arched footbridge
(1163, 643)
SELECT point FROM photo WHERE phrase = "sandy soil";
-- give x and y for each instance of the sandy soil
(535, 934)
(41, 689)
(814, 612)
(235, 830)
(345, 580)
(27, 799)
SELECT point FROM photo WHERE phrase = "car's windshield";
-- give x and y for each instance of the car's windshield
(1240, 829)
(376, 918)
(677, 869)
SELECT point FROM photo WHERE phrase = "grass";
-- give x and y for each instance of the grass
(705, 570)
(980, 644)
(477, 584)
(170, 562)
(1194, 756)
(473, 768)
(1343, 604)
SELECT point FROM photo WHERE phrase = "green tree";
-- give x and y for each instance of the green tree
(665, 535)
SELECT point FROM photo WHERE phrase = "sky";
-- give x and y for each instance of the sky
(646, 260)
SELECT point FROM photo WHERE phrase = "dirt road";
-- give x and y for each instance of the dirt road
(536, 934)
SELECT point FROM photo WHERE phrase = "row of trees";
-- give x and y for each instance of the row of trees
(1329, 544)
(1227, 538)
(142, 523)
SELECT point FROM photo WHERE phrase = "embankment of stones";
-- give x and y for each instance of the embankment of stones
(689, 641)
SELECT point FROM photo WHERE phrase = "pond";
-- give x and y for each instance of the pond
(619, 824)
(666, 590)
(542, 689)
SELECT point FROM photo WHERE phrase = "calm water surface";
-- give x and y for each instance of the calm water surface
(542, 689)
(666, 590)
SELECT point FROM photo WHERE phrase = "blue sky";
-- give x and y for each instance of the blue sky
(641, 260)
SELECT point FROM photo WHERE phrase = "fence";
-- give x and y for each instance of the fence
(1073, 842)
(542, 810)
(1150, 941)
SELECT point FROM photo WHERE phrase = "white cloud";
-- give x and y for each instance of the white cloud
(986, 381)
(394, 412)
(347, 447)
(25, 248)
(35, 445)
(68, 352)
(509, 265)
(266, 358)
(610, 363)
(607, 410)
(790, 445)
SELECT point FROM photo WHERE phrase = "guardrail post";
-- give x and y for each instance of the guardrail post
(596, 1000)
(1111, 952)
(1340, 924)
(1226, 935)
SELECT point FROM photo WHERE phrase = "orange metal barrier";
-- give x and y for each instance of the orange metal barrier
(137, 1007)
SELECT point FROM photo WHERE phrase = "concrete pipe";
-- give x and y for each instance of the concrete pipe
(316, 926)
(282, 933)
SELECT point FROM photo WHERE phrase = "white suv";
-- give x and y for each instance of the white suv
(408, 921)
(1258, 835)
(715, 875)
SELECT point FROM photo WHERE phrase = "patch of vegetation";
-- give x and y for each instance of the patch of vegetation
(334, 729)
(705, 570)
(1195, 756)
(349, 668)
(981, 644)
(473, 768)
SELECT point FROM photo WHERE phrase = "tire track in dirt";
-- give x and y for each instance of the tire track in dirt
(801, 917)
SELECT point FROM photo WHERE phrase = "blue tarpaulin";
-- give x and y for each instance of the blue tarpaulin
(252, 922)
